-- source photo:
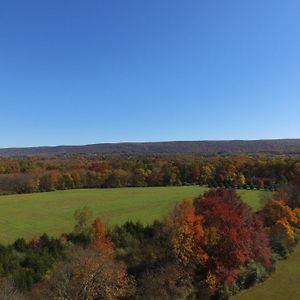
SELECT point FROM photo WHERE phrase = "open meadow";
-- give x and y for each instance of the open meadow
(33, 214)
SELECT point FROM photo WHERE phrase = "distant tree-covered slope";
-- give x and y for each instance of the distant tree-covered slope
(285, 146)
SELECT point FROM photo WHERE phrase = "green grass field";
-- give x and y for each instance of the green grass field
(282, 285)
(33, 214)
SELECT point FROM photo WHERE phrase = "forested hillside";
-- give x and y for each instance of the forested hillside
(287, 146)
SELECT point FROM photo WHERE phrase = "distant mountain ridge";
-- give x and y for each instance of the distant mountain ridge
(275, 146)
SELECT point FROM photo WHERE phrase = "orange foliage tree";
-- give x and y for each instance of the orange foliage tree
(100, 240)
(187, 235)
(283, 224)
(277, 210)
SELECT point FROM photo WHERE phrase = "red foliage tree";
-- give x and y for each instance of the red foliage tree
(233, 234)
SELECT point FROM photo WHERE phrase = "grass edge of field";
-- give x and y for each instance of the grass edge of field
(278, 290)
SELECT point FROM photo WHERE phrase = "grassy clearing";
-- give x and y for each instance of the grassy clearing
(282, 285)
(33, 214)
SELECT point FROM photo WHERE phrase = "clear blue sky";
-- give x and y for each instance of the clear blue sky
(78, 71)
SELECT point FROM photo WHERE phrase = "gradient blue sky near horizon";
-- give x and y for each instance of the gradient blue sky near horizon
(79, 72)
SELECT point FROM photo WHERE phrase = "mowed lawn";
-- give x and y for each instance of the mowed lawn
(284, 284)
(33, 214)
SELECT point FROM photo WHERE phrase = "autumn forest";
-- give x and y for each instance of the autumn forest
(209, 247)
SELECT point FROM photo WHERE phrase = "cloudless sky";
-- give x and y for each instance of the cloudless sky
(78, 71)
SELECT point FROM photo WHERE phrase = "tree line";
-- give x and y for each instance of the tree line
(38, 174)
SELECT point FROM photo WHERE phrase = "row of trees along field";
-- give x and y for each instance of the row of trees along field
(206, 249)
(36, 174)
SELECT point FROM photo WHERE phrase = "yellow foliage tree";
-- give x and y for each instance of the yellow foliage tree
(241, 179)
